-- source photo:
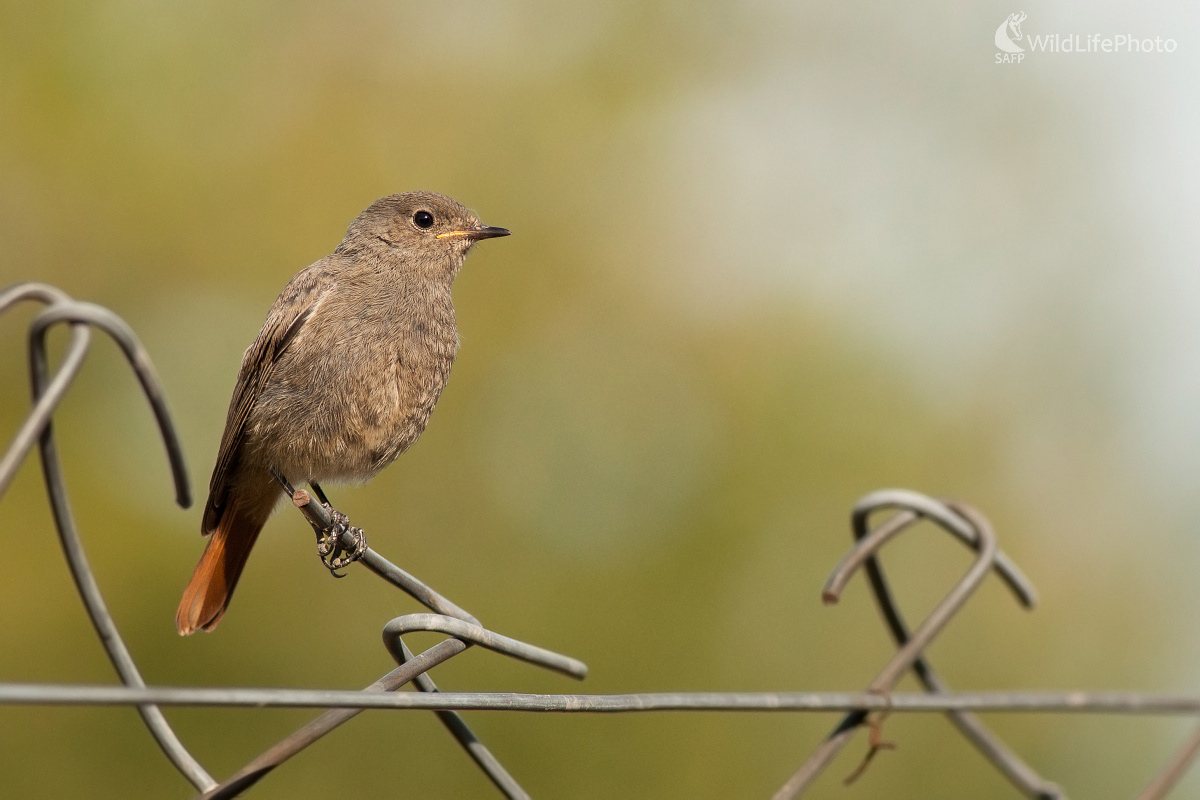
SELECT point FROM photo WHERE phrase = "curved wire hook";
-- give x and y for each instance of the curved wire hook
(912, 506)
(864, 552)
(120, 332)
(80, 315)
(45, 405)
(475, 634)
(924, 506)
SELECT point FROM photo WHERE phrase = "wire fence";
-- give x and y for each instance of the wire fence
(864, 711)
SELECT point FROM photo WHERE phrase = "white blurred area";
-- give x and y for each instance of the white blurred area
(1018, 236)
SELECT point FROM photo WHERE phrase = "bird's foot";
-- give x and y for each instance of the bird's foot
(334, 555)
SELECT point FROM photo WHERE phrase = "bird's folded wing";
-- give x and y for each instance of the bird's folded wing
(294, 306)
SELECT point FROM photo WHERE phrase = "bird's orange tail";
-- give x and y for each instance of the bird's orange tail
(208, 592)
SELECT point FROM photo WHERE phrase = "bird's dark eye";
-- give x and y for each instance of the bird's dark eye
(423, 219)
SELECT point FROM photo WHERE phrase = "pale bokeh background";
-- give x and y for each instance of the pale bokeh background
(767, 257)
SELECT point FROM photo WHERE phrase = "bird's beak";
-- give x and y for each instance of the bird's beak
(479, 232)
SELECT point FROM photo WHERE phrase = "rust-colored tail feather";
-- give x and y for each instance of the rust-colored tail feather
(208, 592)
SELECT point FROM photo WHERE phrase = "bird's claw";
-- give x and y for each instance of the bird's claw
(329, 544)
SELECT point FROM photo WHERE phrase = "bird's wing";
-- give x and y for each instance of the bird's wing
(294, 306)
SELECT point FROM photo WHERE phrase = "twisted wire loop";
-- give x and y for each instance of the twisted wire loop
(972, 529)
(450, 620)
(464, 629)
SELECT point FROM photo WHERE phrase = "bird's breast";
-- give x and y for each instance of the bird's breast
(355, 408)
(421, 365)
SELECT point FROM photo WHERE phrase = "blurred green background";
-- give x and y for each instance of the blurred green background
(767, 257)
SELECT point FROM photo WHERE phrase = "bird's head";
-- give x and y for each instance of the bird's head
(425, 230)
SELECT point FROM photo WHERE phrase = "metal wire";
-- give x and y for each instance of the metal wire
(973, 529)
(81, 315)
(464, 630)
(257, 769)
(1109, 703)
(921, 638)
(320, 520)
(1174, 771)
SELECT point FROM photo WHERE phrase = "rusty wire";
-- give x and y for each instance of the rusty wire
(463, 630)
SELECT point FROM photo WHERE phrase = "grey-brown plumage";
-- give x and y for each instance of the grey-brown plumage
(340, 381)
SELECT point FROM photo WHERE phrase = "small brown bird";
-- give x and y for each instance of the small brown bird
(340, 381)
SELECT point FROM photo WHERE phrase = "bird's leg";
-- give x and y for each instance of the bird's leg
(282, 481)
(329, 541)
